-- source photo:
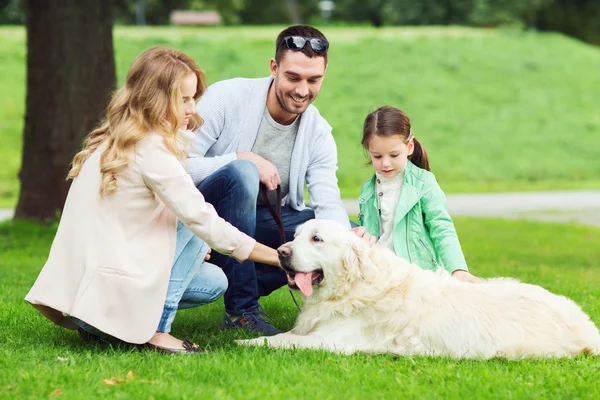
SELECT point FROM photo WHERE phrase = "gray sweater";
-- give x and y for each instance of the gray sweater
(232, 111)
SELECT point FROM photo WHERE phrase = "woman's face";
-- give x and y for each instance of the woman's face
(188, 104)
(389, 154)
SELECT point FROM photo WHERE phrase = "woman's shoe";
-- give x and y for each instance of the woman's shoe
(90, 337)
(188, 348)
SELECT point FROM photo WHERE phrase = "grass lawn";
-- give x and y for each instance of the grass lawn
(38, 359)
(497, 110)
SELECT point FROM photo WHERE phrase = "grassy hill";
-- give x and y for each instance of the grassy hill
(497, 110)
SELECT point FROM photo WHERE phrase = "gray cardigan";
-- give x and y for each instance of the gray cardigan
(232, 111)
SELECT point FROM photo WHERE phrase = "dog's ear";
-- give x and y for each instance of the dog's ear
(351, 261)
(357, 262)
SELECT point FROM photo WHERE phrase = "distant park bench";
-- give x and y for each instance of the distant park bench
(196, 18)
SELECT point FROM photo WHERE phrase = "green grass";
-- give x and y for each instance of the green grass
(562, 258)
(497, 110)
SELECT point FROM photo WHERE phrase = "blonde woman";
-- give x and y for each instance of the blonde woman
(110, 263)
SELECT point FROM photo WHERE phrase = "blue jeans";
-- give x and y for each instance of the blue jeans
(233, 191)
(193, 281)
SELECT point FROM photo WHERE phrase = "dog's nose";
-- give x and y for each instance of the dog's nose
(284, 251)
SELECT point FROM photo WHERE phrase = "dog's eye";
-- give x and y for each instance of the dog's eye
(315, 238)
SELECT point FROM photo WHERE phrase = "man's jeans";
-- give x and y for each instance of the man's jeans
(233, 191)
(193, 282)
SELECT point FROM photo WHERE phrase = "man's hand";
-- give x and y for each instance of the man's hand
(362, 233)
(267, 172)
(465, 276)
(207, 256)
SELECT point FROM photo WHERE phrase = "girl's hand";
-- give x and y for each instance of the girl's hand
(207, 256)
(362, 233)
(465, 276)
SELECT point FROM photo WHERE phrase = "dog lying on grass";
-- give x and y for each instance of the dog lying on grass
(361, 298)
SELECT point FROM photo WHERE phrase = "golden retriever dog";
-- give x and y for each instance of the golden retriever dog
(362, 298)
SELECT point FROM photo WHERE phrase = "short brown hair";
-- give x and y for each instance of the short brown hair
(299, 30)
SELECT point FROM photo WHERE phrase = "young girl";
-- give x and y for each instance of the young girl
(109, 266)
(402, 205)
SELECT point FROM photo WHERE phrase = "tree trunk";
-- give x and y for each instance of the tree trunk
(294, 12)
(70, 75)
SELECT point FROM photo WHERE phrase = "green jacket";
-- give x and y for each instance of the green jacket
(423, 230)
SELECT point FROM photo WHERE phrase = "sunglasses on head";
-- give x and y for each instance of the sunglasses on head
(298, 43)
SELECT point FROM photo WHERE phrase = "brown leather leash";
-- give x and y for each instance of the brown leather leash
(276, 214)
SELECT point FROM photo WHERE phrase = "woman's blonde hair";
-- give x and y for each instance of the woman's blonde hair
(148, 102)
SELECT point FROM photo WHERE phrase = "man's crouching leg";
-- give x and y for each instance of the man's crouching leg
(233, 190)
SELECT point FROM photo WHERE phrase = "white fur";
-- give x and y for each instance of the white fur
(373, 301)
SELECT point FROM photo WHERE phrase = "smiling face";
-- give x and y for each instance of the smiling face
(297, 81)
(187, 107)
(389, 154)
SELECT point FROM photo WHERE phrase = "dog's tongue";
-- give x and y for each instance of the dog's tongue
(304, 282)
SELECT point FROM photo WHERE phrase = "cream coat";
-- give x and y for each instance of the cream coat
(111, 259)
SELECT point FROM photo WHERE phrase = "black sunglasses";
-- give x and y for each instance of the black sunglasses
(298, 43)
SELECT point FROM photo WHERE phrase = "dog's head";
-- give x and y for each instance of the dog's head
(327, 257)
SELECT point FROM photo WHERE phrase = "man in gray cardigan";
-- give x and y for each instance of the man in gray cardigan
(265, 131)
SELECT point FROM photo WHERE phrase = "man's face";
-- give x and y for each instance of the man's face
(297, 80)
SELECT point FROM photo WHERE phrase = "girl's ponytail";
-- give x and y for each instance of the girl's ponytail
(419, 155)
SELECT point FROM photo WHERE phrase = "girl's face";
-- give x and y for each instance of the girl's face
(389, 154)
(188, 104)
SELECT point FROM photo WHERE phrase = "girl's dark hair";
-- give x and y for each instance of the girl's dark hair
(390, 121)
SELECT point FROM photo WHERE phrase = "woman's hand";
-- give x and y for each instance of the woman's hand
(207, 256)
(264, 254)
(465, 276)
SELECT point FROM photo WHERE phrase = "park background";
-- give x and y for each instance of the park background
(503, 94)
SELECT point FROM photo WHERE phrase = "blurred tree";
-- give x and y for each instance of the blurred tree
(264, 12)
(361, 11)
(496, 12)
(432, 12)
(70, 74)
(229, 9)
(276, 12)
(578, 18)
(157, 12)
(140, 12)
(11, 12)
(405, 12)
(294, 12)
